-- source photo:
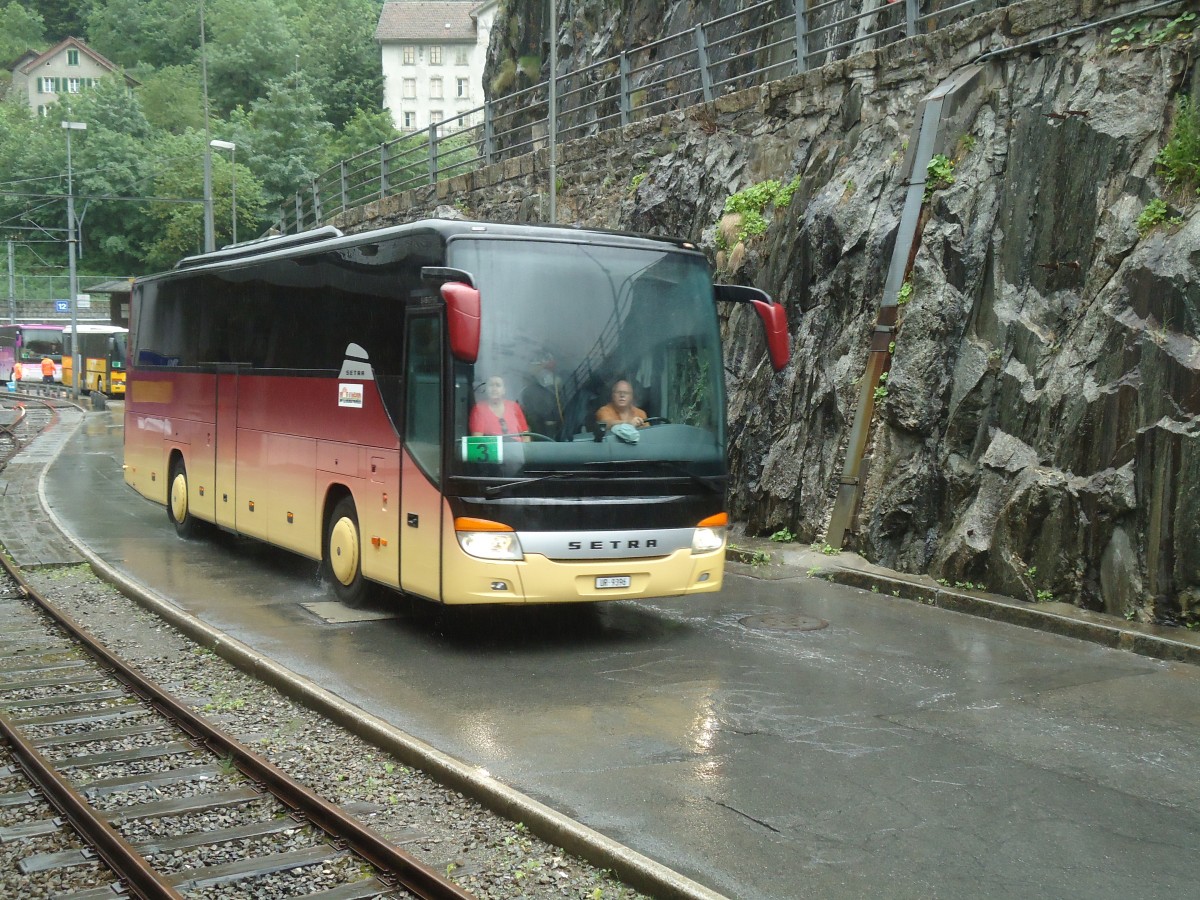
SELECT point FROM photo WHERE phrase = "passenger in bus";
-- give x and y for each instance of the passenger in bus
(621, 408)
(542, 398)
(495, 414)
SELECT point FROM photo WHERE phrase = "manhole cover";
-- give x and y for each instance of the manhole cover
(777, 622)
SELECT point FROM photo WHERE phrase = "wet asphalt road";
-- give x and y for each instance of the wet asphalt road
(901, 751)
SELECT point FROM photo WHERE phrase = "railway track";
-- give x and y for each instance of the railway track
(114, 788)
(24, 417)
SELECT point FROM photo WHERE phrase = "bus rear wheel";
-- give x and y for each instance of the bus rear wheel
(177, 501)
(343, 555)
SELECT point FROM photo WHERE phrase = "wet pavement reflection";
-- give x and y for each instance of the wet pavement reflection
(784, 738)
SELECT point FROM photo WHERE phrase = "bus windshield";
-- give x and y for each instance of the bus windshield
(120, 349)
(593, 358)
(41, 342)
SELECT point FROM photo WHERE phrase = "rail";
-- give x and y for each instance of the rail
(10, 419)
(749, 47)
(396, 866)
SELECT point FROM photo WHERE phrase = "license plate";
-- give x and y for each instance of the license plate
(613, 581)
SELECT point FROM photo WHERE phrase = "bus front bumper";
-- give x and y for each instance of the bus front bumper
(536, 579)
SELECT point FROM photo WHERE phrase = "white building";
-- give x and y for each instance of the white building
(433, 54)
(69, 67)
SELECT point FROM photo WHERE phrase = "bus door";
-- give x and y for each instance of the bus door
(225, 420)
(421, 457)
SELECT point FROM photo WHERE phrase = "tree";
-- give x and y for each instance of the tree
(110, 161)
(341, 56)
(285, 135)
(179, 174)
(280, 109)
(34, 180)
(250, 206)
(21, 29)
(365, 131)
(172, 98)
(62, 18)
(250, 46)
(136, 33)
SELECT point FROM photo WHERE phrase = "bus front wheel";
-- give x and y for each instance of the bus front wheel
(177, 501)
(343, 556)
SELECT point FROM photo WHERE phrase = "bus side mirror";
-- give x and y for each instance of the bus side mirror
(772, 314)
(462, 319)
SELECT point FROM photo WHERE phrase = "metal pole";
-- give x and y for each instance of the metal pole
(626, 104)
(12, 286)
(232, 148)
(233, 187)
(209, 236)
(76, 368)
(342, 182)
(706, 79)
(433, 153)
(801, 36)
(489, 134)
(553, 114)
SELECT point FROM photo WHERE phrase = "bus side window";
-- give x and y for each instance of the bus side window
(423, 406)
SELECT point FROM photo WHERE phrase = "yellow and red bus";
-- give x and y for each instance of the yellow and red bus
(102, 349)
(316, 391)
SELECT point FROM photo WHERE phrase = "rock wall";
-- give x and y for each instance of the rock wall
(1038, 432)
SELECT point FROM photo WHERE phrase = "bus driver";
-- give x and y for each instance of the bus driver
(621, 408)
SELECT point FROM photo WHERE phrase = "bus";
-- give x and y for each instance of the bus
(316, 391)
(23, 347)
(102, 349)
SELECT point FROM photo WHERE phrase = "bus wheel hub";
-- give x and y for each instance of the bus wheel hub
(343, 551)
(179, 504)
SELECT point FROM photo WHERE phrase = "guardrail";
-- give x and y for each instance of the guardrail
(746, 48)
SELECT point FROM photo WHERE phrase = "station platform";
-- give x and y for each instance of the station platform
(28, 534)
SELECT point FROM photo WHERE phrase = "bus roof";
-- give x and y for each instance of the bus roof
(51, 327)
(329, 238)
(93, 328)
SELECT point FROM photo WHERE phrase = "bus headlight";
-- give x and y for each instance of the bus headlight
(485, 539)
(710, 534)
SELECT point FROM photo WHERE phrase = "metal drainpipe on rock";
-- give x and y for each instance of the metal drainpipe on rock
(937, 110)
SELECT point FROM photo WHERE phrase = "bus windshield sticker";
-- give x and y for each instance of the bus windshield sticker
(350, 395)
(486, 448)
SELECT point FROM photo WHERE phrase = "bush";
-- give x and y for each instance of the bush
(939, 174)
(1179, 161)
(750, 204)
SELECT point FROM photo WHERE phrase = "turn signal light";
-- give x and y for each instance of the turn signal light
(466, 523)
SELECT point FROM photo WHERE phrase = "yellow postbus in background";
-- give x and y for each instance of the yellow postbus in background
(102, 349)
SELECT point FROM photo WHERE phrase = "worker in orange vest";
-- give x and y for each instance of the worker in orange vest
(47, 370)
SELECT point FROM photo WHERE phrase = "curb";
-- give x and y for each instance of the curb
(1063, 619)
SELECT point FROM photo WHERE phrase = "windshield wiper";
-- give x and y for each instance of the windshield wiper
(712, 482)
(496, 490)
(715, 483)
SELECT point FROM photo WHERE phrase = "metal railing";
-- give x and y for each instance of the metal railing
(762, 42)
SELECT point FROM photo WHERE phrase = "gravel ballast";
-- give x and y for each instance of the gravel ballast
(484, 853)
